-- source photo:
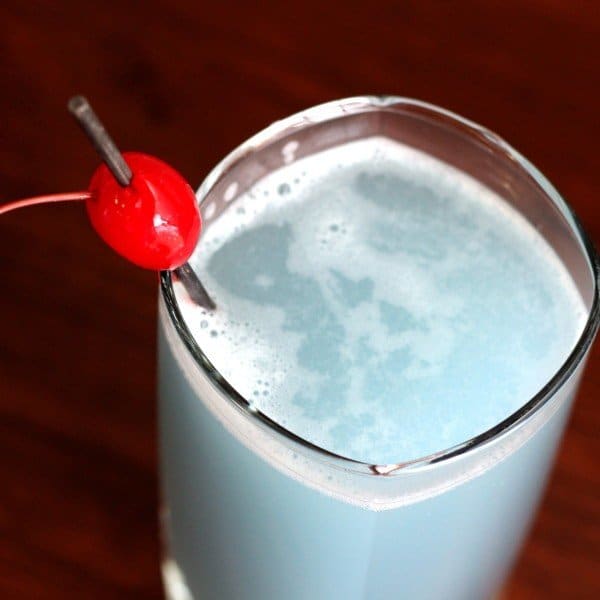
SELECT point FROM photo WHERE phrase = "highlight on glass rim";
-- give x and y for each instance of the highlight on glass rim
(372, 320)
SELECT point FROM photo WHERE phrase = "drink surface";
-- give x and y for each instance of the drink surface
(380, 303)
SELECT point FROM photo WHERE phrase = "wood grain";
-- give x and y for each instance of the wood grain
(188, 81)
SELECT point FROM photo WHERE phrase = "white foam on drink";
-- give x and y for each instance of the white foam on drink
(347, 311)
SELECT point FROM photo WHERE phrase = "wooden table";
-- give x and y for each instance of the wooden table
(188, 81)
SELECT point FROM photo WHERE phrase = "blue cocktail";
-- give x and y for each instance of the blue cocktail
(404, 306)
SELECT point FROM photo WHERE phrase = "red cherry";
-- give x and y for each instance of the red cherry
(154, 221)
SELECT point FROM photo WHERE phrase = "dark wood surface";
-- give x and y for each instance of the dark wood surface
(188, 81)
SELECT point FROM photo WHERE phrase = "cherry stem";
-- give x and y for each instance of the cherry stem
(48, 198)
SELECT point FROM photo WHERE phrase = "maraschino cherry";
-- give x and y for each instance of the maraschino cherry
(139, 205)
(154, 221)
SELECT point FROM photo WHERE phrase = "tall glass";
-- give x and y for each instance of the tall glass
(252, 511)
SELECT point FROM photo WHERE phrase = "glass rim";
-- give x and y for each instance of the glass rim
(342, 108)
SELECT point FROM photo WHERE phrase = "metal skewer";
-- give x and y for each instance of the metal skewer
(196, 291)
(88, 120)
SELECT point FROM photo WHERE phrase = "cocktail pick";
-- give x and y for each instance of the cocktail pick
(172, 212)
(138, 204)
